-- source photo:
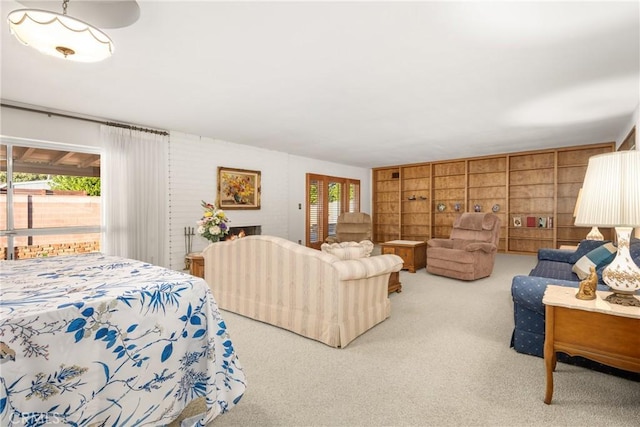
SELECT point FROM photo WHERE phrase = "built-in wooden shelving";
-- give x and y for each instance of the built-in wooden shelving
(534, 193)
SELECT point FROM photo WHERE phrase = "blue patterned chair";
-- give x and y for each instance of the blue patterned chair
(554, 268)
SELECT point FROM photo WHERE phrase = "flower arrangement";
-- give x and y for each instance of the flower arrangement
(238, 187)
(213, 224)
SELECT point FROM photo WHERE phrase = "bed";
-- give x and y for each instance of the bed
(96, 340)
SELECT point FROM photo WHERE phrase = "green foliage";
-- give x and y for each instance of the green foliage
(313, 194)
(334, 191)
(90, 185)
(24, 177)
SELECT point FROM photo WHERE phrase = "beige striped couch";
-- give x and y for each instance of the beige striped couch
(304, 290)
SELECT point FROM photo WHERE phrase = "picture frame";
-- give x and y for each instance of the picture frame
(238, 188)
(517, 221)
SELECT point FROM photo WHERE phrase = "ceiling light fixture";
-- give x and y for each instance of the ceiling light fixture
(60, 35)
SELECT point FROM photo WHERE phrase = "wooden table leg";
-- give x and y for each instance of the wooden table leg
(549, 353)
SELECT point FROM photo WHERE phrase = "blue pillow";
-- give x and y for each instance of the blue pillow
(584, 247)
(599, 257)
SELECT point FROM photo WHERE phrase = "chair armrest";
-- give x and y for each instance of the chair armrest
(481, 246)
(440, 243)
(527, 291)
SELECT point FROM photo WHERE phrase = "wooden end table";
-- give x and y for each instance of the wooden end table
(195, 261)
(596, 329)
(412, 252)
(394, 282)
(568, 247)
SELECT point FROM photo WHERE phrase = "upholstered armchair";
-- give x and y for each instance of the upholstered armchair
(470, 252)
(352, 227)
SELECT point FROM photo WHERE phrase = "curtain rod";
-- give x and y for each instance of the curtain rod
(102, 122)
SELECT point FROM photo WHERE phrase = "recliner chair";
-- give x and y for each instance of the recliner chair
(470, 252)
(351, 227)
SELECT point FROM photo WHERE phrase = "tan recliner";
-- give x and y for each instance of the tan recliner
(352, 227)
(470, 252)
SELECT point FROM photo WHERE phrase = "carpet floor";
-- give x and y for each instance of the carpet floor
(441, 359)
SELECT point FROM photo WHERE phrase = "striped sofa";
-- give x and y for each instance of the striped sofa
(300, 289)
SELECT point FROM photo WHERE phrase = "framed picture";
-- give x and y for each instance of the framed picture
(542, 222)
(238, 188)
(517, 221)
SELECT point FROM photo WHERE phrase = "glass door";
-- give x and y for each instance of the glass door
(327, 198)
(50, 200)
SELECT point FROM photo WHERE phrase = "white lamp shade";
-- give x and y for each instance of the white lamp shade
(578, 199)
(54, 34)
(611, 191)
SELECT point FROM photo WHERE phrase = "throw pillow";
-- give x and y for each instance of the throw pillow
(599, 257)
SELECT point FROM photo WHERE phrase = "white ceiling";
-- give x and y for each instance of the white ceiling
(361, 83)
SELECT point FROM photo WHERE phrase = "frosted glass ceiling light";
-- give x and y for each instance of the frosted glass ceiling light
(60, 35)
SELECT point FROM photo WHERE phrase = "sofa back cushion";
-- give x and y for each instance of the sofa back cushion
(348, 250)
(634, 250)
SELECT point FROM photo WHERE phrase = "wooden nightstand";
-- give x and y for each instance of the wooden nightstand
(595, 329)
(196, 264)
(413, 253)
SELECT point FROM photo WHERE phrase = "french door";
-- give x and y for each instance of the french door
(328, 197)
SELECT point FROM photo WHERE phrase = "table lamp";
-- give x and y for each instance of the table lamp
(611, 198)
(594, 234)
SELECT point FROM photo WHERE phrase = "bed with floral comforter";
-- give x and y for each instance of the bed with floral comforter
(95, 340)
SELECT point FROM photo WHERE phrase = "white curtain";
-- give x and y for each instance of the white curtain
(134, 188)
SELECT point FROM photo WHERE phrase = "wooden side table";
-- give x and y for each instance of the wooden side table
(568, 247)
(598, 330)
(394, 282)
(412, 252)
(196, 264)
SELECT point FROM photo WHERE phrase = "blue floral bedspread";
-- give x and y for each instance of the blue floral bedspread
(95, 340)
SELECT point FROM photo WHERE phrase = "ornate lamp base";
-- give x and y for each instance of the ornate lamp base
(623, 299)
(622, 275)
(594, 234)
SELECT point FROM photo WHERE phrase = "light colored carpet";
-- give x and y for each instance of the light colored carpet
(441, 359)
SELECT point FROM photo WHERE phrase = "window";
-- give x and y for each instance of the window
(327, 198)
(49, 199)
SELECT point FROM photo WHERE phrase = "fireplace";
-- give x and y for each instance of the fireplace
(244, 230)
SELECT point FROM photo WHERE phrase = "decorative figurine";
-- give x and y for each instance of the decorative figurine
(587, 290)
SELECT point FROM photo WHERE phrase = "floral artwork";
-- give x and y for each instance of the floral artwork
(238, 188)
(213, 224)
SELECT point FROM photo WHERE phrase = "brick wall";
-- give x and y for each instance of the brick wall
(51, 209)
(54, 249)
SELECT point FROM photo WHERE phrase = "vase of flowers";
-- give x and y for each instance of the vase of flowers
(213, 224)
